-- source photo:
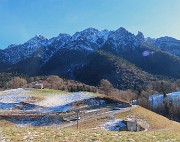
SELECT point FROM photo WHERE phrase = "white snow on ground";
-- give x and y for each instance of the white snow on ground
(9, 98)
(64, 99)
(13, 96)
(112, 125)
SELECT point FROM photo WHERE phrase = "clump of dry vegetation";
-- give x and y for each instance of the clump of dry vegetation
(121, 95)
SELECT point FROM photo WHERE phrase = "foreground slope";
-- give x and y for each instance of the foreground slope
(161, 130)
(152, 121)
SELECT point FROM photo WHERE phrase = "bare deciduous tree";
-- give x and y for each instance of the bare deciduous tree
(16, 82)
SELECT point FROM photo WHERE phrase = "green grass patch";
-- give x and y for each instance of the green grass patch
(40, 94)
(46, 91)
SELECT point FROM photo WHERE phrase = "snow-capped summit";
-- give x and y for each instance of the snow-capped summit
(52, 46)
(167, 44)
(89, 39)
(104, 34)
(61, 38)
(15, 53)
(89, 34)
(120, 34)
(121, 38)
(91, 31)
(36, 41)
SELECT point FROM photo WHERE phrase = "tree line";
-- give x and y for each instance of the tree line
(141, 94)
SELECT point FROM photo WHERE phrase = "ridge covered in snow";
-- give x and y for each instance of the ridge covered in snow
(167, 44)
(89, 39)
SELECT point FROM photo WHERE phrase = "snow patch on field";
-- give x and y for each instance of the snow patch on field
(112, 125)
(11, 98)
(64, 99)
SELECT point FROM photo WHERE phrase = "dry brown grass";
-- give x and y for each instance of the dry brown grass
(49, 134)
(90, 124)
(163, 130)
(156, 121)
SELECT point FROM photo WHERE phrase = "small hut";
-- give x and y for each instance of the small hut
(38, 86)
(132, 126)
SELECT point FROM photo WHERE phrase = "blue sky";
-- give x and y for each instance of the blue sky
(22, 19)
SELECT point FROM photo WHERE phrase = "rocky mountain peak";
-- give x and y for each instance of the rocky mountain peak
(89, 39)
(140, 36)
(89, 34)
(90, 31)
(63, 36)
(11, 45)
(37, 39)
(121, 30)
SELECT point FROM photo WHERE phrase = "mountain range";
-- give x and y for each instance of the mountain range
(125, 59)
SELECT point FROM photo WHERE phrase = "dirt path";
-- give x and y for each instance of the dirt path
(99, 115)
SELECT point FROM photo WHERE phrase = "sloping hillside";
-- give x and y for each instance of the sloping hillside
(64, 62)
(156, 122)
(151, 121)
(121, 73)
(147, 58)
(162, 130)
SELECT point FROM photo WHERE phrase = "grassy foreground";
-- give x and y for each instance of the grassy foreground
(150, 120)
(161, 129)
(156, 122)
(43, 134)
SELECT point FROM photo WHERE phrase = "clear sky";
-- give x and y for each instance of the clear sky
(22, 19)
